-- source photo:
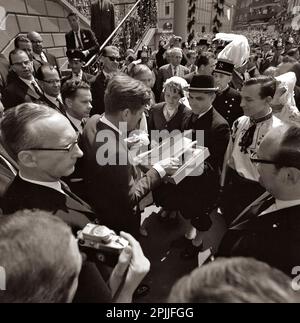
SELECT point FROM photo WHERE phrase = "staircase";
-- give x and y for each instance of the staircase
(48, 17)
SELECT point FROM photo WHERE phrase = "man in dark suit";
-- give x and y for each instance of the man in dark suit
(45, 146)
(102, 19)
(40, 57)
(22, 87)
(228, 100)
(4, 67)
(172, 69)
(83, 39)
(76, 61)
(110, 63)
(112, 181)
(24, 43)
(211, 130)
(268, 230)
(49, 81)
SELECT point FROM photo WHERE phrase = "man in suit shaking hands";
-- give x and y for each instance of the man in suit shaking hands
(102, 19)
(82, 39)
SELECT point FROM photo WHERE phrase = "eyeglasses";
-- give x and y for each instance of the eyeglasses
(113, 59)
(69, 148)
(263, 161)
(52, 82)
(25, 63)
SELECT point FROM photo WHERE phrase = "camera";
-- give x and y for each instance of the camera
(107, 244)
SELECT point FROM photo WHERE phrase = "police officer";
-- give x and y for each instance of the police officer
(228, 100)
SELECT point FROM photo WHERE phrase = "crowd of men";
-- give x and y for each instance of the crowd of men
(66, 161)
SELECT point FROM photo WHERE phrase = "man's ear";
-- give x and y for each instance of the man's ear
(125, 115)
(68, 103)
(269, 99)
(27, 158)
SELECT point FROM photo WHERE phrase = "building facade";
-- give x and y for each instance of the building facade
(259, 14)
(204, 16)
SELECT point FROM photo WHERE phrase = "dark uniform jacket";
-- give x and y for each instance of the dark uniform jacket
(228, 104)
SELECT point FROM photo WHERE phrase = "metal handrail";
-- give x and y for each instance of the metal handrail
(96, 56)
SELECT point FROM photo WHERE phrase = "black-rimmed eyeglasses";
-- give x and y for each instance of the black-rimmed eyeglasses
(69, 148)
(263, 161)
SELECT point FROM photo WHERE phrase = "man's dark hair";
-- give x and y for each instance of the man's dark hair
(191, 53)
(16, 51)
(35, 252)
(40, 73)
(267, 85)
(288, 152)
(72, 14)
(21, 39)
(292, 52)
(123, 92)
(109, 49)
(204, 58)
(234, 280)
(16, 130)
(70, 88)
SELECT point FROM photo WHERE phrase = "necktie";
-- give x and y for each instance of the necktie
(247, 138)
(36, 89)
(79, 41)
(255, 209)
(175, 71)
(68, 192)
(82, 124)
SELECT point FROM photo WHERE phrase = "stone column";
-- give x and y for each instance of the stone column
(180, 18)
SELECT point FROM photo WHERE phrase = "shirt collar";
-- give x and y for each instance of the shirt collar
(202, 114)
(28, 82)
(54, 185)
(79, 75)
(104, 120)
(76, 122)
(262, 119)
(53, 99)
(286, 204)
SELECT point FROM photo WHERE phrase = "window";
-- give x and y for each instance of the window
(167, 9)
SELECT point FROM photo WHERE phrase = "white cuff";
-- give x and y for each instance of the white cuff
(162, 173)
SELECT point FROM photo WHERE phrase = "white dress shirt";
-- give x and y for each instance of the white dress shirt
(54, 99)
(240, 161)
(28, 83)
(279, 205)
(162, 173)
(54, 185)
(78, 77)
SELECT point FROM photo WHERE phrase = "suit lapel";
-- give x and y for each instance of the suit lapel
(73, 202)
(170, 71)
(27, 90)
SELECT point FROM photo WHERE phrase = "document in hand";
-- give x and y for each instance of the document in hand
(190, 155)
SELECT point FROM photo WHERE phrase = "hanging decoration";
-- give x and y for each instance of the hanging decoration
(191, 20)
(219, 9)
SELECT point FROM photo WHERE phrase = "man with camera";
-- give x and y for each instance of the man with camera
(44, 144)
(51, 238)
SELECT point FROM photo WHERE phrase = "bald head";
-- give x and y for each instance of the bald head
(37, 41)
(279, 162)
(19, 130)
